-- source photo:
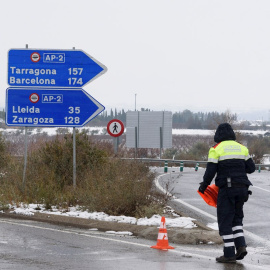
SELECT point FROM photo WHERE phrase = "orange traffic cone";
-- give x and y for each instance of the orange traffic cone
(210, 195)
(162, 241)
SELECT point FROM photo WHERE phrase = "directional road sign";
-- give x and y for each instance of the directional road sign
(52, 68)
(50, 107)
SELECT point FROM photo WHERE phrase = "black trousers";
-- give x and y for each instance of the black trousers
(230, 218)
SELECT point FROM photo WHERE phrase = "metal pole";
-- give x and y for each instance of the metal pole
(136, 142)
(25, 156)
(116, 141)
(74, 157)
(25, 147)
(161, 142)
(135, 101)
(74, 153)
(166, 166)
(181, 166)
(162, 134)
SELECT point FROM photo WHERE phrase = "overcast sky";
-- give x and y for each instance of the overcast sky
(201, 55)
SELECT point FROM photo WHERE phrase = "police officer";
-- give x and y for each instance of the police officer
(230, 162)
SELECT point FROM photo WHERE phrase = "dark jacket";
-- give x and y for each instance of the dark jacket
(234, 166)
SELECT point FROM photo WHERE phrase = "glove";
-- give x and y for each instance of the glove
(249, 193)
(203, 186)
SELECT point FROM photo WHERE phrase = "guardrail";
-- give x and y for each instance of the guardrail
(182, 162)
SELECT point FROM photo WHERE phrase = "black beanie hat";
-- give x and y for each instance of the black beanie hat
(224, 132)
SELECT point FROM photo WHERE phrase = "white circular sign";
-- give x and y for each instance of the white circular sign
(115, 128)
(34, 98)
(35, 57)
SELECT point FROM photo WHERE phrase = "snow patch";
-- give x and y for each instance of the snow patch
(120, 233)
(31, 209)
(213, 226)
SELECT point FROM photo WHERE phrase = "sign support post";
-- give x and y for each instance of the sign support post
(74, 154)
(74, 157)
(161, 142)
(136, 141)
(25, 155)
(25, 148)
(116, 144)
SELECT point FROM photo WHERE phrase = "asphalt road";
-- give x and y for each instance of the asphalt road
(33, 245)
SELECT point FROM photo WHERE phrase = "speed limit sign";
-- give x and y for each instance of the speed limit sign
(115, 128)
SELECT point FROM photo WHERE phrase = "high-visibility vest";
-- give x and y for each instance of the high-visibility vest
(228, 150)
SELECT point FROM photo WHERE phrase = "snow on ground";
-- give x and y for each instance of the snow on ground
(176, 221)
(206, 132)
(51, 130)
(100, 130)
(201, 132)
(213, 226)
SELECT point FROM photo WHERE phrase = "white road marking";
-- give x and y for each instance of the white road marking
(71, 232)
(196, 209)
(261, 188)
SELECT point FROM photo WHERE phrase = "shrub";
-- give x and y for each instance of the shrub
(258, 147)
(122, 187)
(111, 185)
(4, 155)
(56, 157)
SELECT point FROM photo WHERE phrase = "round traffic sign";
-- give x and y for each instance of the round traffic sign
(35, 57)
(115, 128)
(34, 98)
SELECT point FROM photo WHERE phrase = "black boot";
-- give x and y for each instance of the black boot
(241, 253)
(223, 259)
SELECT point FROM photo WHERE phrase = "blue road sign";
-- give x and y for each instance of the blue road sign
(52, 68)
(50, 107)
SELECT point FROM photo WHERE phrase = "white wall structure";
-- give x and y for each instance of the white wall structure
(152, 129)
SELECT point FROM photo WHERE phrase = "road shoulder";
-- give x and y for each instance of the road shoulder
(194, 236)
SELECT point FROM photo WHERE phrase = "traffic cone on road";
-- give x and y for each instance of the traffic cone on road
(162, 241)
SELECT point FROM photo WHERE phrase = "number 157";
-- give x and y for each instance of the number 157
(75, 71)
